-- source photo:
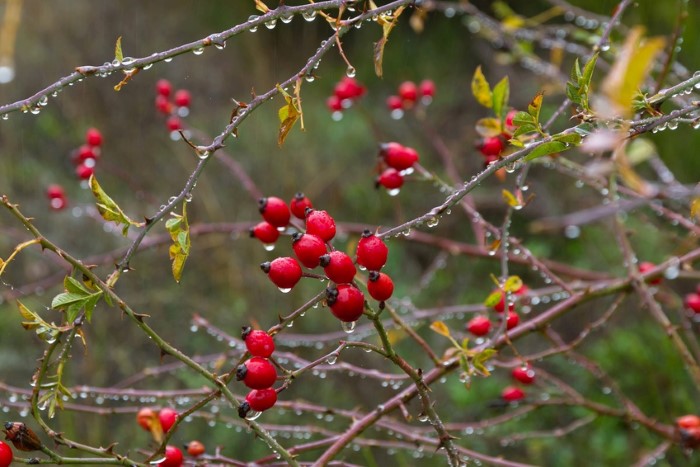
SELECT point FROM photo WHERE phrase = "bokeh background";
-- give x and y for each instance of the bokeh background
(334, 164)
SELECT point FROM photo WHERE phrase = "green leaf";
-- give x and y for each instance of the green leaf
(488, 127)
(118, 55)
(523, 129)
(521, 118)
(74, 286)
(585, 79)
(545, 149)
(570, 138)
(493, 298)
(66, 299)
(501, 94)
(576, 72)
(481, 89)
(108, 209)
(180, 249)
(572, 93)
(534, 107)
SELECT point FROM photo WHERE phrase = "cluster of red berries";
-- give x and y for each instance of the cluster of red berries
(346, 91)
(689, 430)
(311, 249)
(523, 374)
(407, 96)
(6, 454)
(161, 422)
(174, 109)
(480, 325)
(492, 147)
(396, 161)
(258, 373)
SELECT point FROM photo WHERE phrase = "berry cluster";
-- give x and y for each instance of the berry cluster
(174, 109)
(346, 91)
(407, 96)
(523, 374)
(257, 372)
(492, 147)
(480, 325)
(158, 423)
(395, 162)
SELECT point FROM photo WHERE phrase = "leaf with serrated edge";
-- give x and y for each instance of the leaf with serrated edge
(501, 94)
(73, 285)
(108, 209)
(524, 129)
(441, 328)
(481, 89)
(67, 299)
(545, 149)
(522, 118)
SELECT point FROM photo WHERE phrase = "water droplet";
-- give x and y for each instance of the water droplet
(7, 74)
(572, 231)
(348, 327)
(332, 359)
(309, 15)
(271, 24)
(43, 101)
(350, 72)
(337, 116)
(220, 45)
(148, 66)
(286, 18)
(250, 20)
(393, 191)
(269, 246)
(423, 418)
(283, 290)
(168, 60)
(672, 125)
(397, 114)
(432, 222)
(203, 154)
(198, 51)
(5, 116)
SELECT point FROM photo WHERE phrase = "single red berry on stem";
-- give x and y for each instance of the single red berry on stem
(372, 252)
(408, 91)
(173, 457)
(492, 146)
(6, 454)
(167, 417)
(346, 302)
(257, 373)
(397, 156)
(298, 205)
(321, 224)
(348, 88)
(284, 272)
(512, 394)
(501, 305)
(334, 104)
(84, 172)
(390, 179)
(182, 98)
(338, 267)
(258, 342)
(195, 448)
(524, 374)
(174, 123)
(647, 266)
(479, 325)
(163, 105)
(145, 418)
(692, 301)
(512, 320)
(427, 88)
(265, 232)
(394, 103)
(261, 399)
(163, 87)
(84, 153)
(380, 286)
(308, 249)
(688, 421)
(274, 210)
(55, 191)
(93, 137)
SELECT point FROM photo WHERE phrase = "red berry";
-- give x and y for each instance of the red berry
(298, 205)
(408, 91)
(84, 172)
(397, 156)
(93, 137)
(274, 210)
(512, 320)
(338, 267)
(380, 286)
(257, 373)
(390, 179)
(346, 302)
(6, 454)
(145, 418)
(692, 301)
(371, 251)
(258, 342)
(84, 153)
(688, 421)
(261, 399)
(427, 88)
(479, 325)
(265, 232)
(173, 457)
(523, 290)
(348, 88)
(524, 374)
(284, 272)
(334, 103)
(491, 146)
(321, 224)
(183, 98)
(55, 191)
(509, 120)
(512, 394)
(647, 266)
(195, 448)
(394, 103)
(174, 124)
(167, 417)
(501, 305)
(163, 105)
(58, 203)
(308, 248)
(163, 88)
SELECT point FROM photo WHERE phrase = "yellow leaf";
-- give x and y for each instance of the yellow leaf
(695, 208)
(510, 198)
(108, 209)
(493, 298)
(513, 284)
(441, 328)
(481, 89)
(260, 6)
(387, 23)
(488, 127)
(118, 55)
(630, 69)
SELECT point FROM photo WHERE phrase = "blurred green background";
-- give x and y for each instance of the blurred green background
(334, 164)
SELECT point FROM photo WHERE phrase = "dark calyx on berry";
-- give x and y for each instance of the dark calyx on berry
(246, 330)
(243, 409)
(241, 372)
